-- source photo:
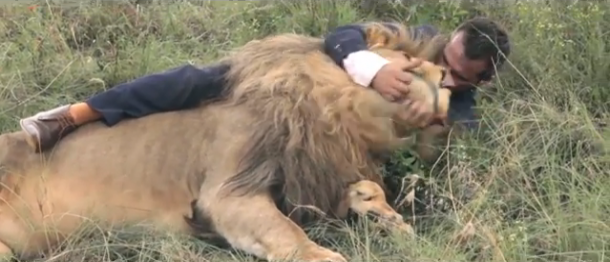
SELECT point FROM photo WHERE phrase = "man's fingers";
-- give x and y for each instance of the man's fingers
(424, 120)
(413, 63)
(422, 116)
(388, 97)
(415, 114)
(391, 94)
(401, 87)
(404, 77)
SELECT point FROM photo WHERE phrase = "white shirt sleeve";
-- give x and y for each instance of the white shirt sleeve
(363, 65)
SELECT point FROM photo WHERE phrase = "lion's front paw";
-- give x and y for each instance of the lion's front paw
(311, 254)
(320, 254)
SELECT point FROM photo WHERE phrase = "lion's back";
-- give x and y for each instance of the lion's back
(15, 154)
(160, 150)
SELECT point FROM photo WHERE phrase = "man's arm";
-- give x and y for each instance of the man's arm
(347, 46)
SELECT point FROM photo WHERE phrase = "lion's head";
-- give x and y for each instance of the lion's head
(374, 112)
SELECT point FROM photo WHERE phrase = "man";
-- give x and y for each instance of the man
(470, 55)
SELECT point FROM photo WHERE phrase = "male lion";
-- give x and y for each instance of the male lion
(294, 131)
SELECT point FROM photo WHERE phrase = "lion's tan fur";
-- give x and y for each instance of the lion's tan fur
(293, 131)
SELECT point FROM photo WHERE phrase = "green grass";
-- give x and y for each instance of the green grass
(531, 185)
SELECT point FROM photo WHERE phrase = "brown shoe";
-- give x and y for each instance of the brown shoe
(46, 128)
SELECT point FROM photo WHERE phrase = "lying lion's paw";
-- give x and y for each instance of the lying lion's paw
(407, 229)
(321, 254)
(393, 228)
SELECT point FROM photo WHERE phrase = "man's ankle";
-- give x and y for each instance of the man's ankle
(81, 113)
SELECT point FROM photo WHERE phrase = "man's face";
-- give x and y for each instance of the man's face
(461, 72)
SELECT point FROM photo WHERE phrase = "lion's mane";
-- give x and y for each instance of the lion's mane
(314, 136)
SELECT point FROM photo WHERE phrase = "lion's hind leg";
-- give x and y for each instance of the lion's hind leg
(255, 225)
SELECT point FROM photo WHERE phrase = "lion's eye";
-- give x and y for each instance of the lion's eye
(363, 196)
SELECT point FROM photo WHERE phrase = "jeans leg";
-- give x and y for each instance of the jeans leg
(176, 89)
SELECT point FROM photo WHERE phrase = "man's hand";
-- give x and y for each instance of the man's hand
(392, 81)
(416, 114)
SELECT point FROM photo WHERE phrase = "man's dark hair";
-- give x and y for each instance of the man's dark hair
(485, 39)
